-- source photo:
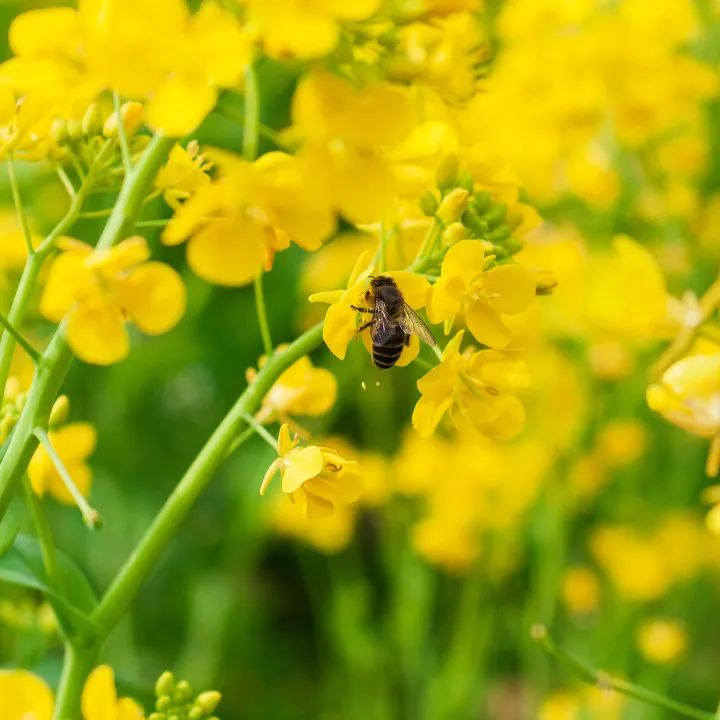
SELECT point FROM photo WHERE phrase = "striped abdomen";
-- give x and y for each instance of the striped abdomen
(386, 354)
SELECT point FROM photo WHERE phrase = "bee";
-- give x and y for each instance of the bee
(393, 322)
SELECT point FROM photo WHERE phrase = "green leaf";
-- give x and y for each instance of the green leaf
(22, 565)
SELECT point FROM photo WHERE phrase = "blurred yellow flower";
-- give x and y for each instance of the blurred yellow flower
(237, 222)
(297, 28)
(621, 442)
(341, 321)
(99, 291)
(661, 641)
(481, 295)
(24, 696)
(184, 172)
(590, 703)
(74, 443)
(117, 46)
(580, 590)
(475, 388)
(316, 478)
(711, 495)
(302, 389)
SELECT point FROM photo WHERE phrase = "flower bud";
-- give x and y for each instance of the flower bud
(165, 684)
(59, 131)
(481, 203)
(208, 701)
(74, 129)
(163, 702)
(500, 234)
(496, 214)
(428, 204)
(446, 176)
(466, 181)
(60, 410)
(454, 233)
(453, 206)
(131, 113)
(196, 713)
(92, 121)
(183, 692)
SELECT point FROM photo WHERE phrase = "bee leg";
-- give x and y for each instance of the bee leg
(407, 339)
(362, 309)
(366, 325)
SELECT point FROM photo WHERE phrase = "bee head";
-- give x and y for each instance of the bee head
(381, 281)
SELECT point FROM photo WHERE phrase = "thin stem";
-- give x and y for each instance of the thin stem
(262, 315)
(158, 536)
(593, 676)
(252, 115)
(260, 430)
(427, 245)
(47, 544)
(152, 223)
(79, 661)
(19, 207)
(20, 340)
(88, 214)
(382, 247)
(124, 147)
(90, 515)
(65, 180)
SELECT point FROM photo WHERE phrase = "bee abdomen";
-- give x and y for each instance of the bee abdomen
(385, 356)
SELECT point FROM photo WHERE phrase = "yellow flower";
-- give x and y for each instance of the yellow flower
(661, 641)
(302, 389)
(117, 46)
(580, 590)
(621, 442)
(99, 291)
(74, 443)
(475, 389)
(302, 29)
(182, 175)
(347, 134)
(481, 295)
(711, 495)
(316, 478)
(341, 321)
(24, 696)
(237, 222)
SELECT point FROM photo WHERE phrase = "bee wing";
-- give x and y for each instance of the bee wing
(413, 324)
(383, 326)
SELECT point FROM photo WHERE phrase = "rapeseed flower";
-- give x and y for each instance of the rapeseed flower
(184, 173)
(661, 641)
(316, 478)
(100, 291)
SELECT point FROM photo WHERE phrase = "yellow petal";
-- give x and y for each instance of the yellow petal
(82, 477)
(510, 288)
(128, 709)
(74, 441)
(7, 105)
(444, 298)
(227, 253)
(414, 287)
(45, 32)
(24, 696)
(153, 296)
(96, 333)
(339, 328)
(301, 464)
(285, 442)
(464, 260)
(180, 105)
(428, 413)
(329, 296)
(67, 277)
(486, 326)
(409, 352)
(99, 699)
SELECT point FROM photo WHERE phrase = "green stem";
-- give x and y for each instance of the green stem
(262, 315)
(251, 125)
(90, 515)
(158, 536)
(57, 357)
(20, 340)
(161, 222)
(260, 430)
(425, 250)
(47, 544)
(598, 678)
(19, 207)
(77, 665)
(66, 182)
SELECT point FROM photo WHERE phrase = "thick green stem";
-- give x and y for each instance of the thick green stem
(251, 124)
(158, 536)
(57, 357)
(598, 678)
(79, 661)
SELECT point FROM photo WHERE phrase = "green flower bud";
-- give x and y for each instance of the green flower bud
(481, 202)
(74, 129)
(196, 713)
(453, 206)
(466, 182)
(92, 121)
(208, 701)
(446, 176)
(183, 692)
(499, 234)
(157, 716)
(496, 214)
(59, 131)
(428, 204)
(164, 702)
(165, 684)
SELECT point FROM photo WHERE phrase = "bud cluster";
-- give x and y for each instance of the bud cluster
(466, 213)
(176, 701)
(12, 404)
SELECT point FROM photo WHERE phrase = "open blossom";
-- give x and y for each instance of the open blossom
(100, 291)
(235, 224)
(482, 296)
(74, 443)
(475, 389)
(316, 478)
(24, 696)
(183, 174)
(341, 321)
(118, 46)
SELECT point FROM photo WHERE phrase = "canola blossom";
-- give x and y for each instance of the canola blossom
(362, 358)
